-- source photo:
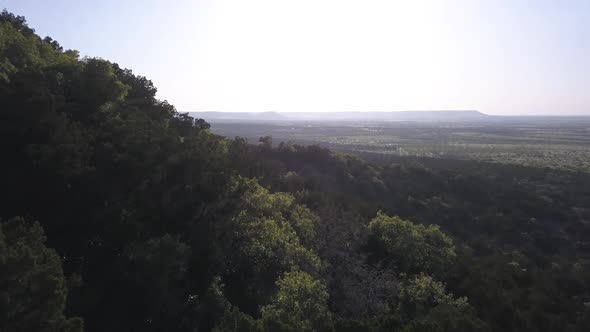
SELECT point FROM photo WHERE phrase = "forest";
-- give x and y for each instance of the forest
(121, 214)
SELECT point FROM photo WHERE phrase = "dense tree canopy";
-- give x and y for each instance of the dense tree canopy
(412, 248)
(33, 287)
(301, 304)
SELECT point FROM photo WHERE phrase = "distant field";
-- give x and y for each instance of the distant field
(560, 142)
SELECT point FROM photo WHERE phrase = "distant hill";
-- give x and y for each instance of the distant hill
(388, 116)
(446, 115)
(255, 116)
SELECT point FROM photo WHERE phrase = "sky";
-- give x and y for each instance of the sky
(508, 57)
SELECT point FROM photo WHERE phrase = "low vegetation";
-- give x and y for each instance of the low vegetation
(561, 143)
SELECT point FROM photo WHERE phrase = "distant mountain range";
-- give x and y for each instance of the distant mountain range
(445, 115)
(269, 116)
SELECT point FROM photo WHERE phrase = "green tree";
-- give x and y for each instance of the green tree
(448, 318)
(259, 241)
(424, 305)
(233, 320)
(411, 248)
(420, 293)
(266, 142)
(301, 304)
(155, 270)
(32, 284)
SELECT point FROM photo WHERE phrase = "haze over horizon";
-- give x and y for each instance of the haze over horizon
(497, 57)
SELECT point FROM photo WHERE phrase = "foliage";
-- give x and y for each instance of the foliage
(235, 321)
(301, 304)
(258, 242)
(420, 294)
(412, 248)
(425, 305)
(33, 287)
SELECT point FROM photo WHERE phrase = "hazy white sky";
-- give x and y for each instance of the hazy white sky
(499, 57)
